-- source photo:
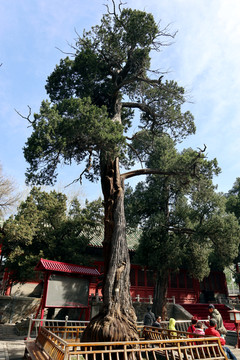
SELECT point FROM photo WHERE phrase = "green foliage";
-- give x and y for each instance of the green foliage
(233, 207)
(183, 219)
(95, 95)
(71, 131)
(44, 228)
(233, 199)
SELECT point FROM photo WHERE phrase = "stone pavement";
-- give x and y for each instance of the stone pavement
(12, 346)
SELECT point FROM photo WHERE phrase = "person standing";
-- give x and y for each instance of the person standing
(215, 314)
(149, 317)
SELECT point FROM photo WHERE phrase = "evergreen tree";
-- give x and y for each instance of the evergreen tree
(233, 199)
(43, 228)
(183, 220)
(93, 98)
(233, 207)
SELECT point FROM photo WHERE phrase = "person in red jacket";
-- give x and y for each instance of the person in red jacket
(211, 330)
(191, 328)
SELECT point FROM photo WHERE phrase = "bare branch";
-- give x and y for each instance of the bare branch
(26, 117)
(66, 53)
(86, 170)
(8, 197)
(150, 81)
(198, 156)
(114, 8)
(135, 151)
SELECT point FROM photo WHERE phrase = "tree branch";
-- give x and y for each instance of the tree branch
(87, 169)
(149, 171)
(26, 117)
(136, 105)
(135, 151)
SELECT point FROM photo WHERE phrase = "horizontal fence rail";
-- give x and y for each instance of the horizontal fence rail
(35, 324)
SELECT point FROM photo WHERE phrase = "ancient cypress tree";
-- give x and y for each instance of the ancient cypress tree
(183, 220)
(90, 116)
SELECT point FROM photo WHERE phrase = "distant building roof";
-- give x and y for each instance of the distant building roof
(45, 265)
(132, 239)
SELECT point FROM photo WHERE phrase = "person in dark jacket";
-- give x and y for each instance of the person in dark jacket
(157, 323)
(149, 317)
(215, 314)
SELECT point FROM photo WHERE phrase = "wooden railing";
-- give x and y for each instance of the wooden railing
(35, 324)
(46, 346)
(154, 333)
(54, 347)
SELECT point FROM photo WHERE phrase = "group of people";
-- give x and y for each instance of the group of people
(215, 326)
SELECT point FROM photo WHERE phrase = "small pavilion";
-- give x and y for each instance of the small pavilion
(65, 286)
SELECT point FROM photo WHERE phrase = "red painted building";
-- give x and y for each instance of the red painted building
(180, 285)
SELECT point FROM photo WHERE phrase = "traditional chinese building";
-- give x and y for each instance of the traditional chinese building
(181, 287)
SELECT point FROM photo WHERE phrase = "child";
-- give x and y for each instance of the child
(199, 328)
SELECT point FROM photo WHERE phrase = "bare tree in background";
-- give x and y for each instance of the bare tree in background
(8, 195)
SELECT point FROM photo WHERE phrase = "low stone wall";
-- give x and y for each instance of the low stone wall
(14, 309)
(179, 313)
(173, 310)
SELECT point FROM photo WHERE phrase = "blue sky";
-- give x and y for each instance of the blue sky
(204, 58)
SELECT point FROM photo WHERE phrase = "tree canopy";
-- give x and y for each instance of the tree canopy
(88, 112)
(233, 199)
(44, 228)
(183, 220)
(233, 207)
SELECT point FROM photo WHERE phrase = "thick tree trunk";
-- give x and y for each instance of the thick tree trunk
(160, 294)
(117, 320)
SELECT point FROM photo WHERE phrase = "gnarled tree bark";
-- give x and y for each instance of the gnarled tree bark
(117, 319)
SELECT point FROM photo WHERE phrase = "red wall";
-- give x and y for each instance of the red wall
(184, 288)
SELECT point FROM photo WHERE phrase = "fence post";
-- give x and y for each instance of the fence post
(65, 330)
(173, 300)
(66, 320)
(30, 326)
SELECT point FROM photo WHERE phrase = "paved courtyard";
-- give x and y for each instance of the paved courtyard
(11, 345)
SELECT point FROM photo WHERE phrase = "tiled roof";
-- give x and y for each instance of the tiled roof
(44, 265)
(132, 239)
